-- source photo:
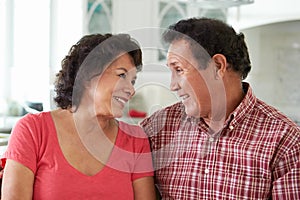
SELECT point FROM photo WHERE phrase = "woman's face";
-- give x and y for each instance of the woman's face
(110, 91)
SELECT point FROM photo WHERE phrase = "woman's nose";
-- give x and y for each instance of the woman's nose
(129, 90)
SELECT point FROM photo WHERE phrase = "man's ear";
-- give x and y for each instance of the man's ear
(220, 64)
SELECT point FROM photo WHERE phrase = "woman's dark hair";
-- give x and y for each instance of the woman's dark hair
(215, 37)
(87, 59)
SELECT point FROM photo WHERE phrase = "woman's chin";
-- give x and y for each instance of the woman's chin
(118, 114)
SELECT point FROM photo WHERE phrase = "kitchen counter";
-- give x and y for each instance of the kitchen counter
(7, 123)
(4, 139)
(5, 130)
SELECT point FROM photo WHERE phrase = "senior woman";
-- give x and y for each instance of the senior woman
(80, 150)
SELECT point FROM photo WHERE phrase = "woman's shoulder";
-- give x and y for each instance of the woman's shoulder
(34, 117)
(32, 123)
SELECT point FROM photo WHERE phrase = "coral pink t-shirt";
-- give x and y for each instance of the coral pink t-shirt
(34, 143)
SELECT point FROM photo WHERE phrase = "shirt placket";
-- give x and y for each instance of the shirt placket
(210, 144)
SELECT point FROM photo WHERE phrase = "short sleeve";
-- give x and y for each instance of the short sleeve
(143, 162)
(22, 145)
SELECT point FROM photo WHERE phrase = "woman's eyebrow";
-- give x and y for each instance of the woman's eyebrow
(122, 68)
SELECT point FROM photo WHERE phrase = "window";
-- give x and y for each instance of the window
(99, 16)
(170, 13)
(35, 35)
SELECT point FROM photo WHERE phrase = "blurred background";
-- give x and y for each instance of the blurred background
(35, 35)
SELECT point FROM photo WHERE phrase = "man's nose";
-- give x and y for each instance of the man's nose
(174, 86)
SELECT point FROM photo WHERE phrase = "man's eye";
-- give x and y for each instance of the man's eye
(178, 69)
(123, 75)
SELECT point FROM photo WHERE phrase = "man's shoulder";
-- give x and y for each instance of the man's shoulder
(176, 109)
(275, 115)
(171, 112)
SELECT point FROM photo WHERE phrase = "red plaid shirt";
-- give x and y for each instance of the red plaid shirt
(256, 155)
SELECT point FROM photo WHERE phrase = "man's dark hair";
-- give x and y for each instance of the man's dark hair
(215, 37)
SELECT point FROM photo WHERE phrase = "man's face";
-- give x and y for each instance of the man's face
(187, 80)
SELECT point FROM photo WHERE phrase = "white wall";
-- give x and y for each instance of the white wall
(275, 52)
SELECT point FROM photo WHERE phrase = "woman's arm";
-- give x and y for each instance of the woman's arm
(144, 188)
(17, 181)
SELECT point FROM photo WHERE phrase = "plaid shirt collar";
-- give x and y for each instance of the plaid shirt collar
(244, 107)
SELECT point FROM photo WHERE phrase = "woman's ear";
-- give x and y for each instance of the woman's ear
(220, 64)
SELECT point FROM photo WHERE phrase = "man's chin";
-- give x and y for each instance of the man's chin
(191, 112)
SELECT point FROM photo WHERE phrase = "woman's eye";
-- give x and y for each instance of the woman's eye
(123, 75)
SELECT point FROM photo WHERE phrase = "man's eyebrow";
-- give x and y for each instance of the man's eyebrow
(172, 63)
